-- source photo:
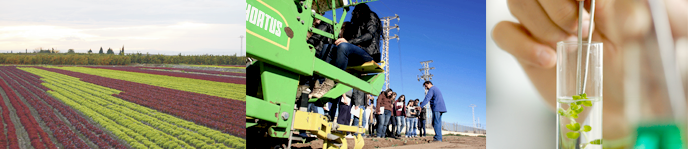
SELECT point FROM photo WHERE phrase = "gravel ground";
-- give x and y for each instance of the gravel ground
(463, 142)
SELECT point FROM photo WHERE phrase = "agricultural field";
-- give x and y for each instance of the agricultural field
(121, 107)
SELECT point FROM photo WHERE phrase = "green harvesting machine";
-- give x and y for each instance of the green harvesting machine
(276, 35)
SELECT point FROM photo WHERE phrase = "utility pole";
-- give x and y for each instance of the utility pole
(479, 125)
(385, 44)
(426, 77)
(426, 71)
(473, 111)
(241, 46)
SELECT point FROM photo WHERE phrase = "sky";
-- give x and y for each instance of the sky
(148, 26)
(453, 38)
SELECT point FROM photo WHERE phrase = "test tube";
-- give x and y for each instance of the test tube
(579, 110)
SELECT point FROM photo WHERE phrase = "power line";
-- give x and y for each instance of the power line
(473, 111)
(426, 77)
(385, 44)
(401, 73)
(383, 3)
(241, 46)
(426, 71)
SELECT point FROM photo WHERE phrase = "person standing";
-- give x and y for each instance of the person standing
(410, 118)
(344, 113)
(383, 111)
(421, 120)
(434, 97)
(326, 109)
(358, 103)
(369, 114)
(399, 114)
(393, 121)
(415, 117)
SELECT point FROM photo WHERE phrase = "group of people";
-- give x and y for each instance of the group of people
(358, 43)
(402, 115)
(385, 118)
(389, 116)
(410, 115)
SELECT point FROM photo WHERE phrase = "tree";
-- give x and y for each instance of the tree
(101, 50)
(122, 51)
(70, 51)
(89, 51)
(109, 51)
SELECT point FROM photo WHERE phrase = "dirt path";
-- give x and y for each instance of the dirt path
(464, 142)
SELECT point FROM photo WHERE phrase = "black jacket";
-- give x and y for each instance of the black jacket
(318, 40)
(368, 37)
(422, 113)
(358, 98)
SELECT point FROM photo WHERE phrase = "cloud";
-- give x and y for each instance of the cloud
(184, 37)
(155, 26)
(40, 32)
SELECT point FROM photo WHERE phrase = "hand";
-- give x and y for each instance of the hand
(340, 40)
(345, 99)
(617, 23)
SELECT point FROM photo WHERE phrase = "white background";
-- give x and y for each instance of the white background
(516, 113)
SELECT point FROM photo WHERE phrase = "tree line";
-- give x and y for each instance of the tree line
(111, 59)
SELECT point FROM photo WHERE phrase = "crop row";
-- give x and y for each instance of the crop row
(220, 66)
(203, 109)
(31, 89)
(141, 127)
(109, 59)
(10, 139)
(177, 74)
(196, 70)
(37, 137)
(219, 89)
(61, 131)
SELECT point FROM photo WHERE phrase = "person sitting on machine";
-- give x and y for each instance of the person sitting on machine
(364, 47)
(323, 46)
(322, 50)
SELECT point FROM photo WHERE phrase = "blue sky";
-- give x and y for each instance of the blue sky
(451, 33)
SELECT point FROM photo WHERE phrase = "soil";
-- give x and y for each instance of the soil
(463, 142)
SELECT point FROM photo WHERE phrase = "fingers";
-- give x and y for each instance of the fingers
(513, 38)
(564, 13)
(340, 40)
(678, 16)
(619, 20)
(534, 18)
(544, 81)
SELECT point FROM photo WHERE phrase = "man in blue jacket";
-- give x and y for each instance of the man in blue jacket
(437, 106)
